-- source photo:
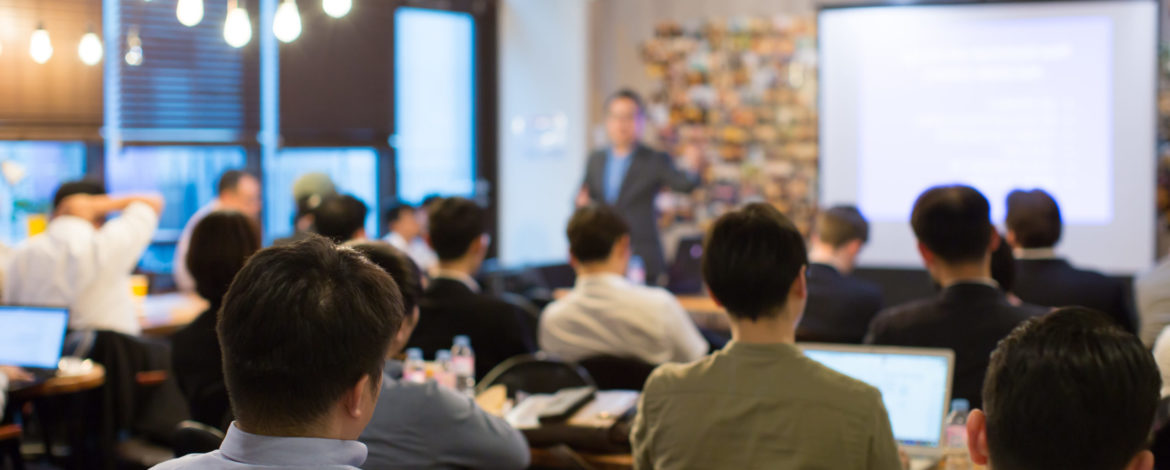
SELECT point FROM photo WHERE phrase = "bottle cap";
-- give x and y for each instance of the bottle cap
(960, 404)
(463, 340)
(443, 355)
(414, 354)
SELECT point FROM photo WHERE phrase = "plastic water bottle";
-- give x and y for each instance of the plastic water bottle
(463, 365)
(636, 272)
(444, 373)
(415, 369)
(957, 455)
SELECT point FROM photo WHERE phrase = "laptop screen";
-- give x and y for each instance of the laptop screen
(915, 386)
(32, 336)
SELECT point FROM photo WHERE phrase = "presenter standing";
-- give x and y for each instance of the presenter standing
(628, 176)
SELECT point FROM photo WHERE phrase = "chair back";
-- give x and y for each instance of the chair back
(617, 373)
(196, 438)
(535, 374)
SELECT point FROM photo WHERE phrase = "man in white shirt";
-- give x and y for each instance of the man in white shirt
(237, 191)
(405, 231)
(607, 315)
(83, 261)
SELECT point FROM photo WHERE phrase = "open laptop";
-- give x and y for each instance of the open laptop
(33, 338)
(915, 385)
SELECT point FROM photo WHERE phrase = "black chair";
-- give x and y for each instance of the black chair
(617, 373)
(535, 374)
(196, 438)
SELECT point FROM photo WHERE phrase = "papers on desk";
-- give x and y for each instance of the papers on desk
(603, 411)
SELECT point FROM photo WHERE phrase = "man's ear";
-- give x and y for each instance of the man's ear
(1144, 460)
(1010, 238)
(800, 285)
(854, 247)
(977, 437)
(927, 255)
(358, 395)
(995, 241)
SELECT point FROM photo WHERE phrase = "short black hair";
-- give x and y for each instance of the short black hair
(752, 257)
(394, 212)
(954, 222)
(399, 266)
(73, 188)
(1034, 217)
(230, 180)
(1069, 390)
(454, 224)
(339, 217)
(1003, 267)
(301, 324)
(627, 94)
(593, 231)
(430, 201)
(220, 245)
(839, 225)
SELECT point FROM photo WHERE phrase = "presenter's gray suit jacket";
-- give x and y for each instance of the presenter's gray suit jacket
(649, 172)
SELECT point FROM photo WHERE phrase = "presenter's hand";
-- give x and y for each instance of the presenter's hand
(583, 198)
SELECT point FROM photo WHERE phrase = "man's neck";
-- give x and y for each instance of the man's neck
(604, 267)
(778, 329)
(821, 253)
(463, 267)
(947, 274)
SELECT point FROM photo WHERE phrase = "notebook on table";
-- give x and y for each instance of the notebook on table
(33, 338)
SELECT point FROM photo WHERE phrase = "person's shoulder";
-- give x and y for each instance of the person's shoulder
(674, 377)
(841, 389)
(188, 461)
(906, 312)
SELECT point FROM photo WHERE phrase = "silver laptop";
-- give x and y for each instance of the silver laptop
(33, 338)
(915, 385)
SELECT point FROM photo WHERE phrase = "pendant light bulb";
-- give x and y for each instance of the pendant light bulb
(190, 12)
(336, 8)
(237, 30)
(133, 48)
(90, 48)
(39, 45)
(287, 23)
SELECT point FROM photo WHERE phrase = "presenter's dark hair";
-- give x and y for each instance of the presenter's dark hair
(839, 225)
(752, 257)
(627, 94)
(954, 222)
(73, 188)
(220, 245)
(400, 268)
(455, 222)
(339, 217)
(301, 325)
(1034, 217)
(230, 180)
(593, 231)
(1069, 390)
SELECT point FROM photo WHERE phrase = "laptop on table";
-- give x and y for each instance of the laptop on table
(33, 338)
(915, 385)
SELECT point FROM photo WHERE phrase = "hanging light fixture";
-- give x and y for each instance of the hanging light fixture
(237, 30)
(39, 45)
(133, 48)
(190, 12)
(287, 23)
(336, 8)
(90, 48)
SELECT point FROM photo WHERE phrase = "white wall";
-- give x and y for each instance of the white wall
(544, 54)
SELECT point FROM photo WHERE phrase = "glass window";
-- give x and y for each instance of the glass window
(434, 96)
(186, 177)
(31, 173)
(353, 170)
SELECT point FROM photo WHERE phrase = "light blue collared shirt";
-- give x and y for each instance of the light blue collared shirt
(616, 167)
(242, 450)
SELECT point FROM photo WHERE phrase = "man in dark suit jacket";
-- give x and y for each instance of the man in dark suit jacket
(971, 314)
(629, 176)
(1034, 227)
(840, 306)
(453, 303)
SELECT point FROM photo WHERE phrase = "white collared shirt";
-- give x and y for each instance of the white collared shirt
(416, 249)
(605, 314)
(86, 269)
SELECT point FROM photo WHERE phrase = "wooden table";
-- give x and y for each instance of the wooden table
(164, 314)
(62, 385)
(560, 457)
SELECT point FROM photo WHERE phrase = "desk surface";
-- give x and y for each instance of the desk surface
(563, 458)
(164, 314)
(95, 378)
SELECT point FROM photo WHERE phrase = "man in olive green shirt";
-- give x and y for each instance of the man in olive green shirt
(760, 403)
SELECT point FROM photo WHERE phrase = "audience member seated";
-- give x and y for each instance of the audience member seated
(429, 425)
(84, 261)
(453, 304)
(840, 306)
(305, 329)
(1003, 270)
(759, 402)
(220, 245)
(405, 232)
(607, 315)
(8, 375)
(1042, 278)
(342, 219)
(971, 314)
(238, 191)
(309, 190)
(1152, 291)
(1069, 391)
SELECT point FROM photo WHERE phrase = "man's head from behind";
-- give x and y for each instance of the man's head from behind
(1033, 219)
(953, 227)
(458, 232)
(409, 279)
(74, 188)
(1068, 390)
(305, 329)
(240, 191)
(403, 220)
(841, 230)
(341, 218)
(599, 240)
(754, 264)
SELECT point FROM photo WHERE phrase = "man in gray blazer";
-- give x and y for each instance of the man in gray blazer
(629, 175)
